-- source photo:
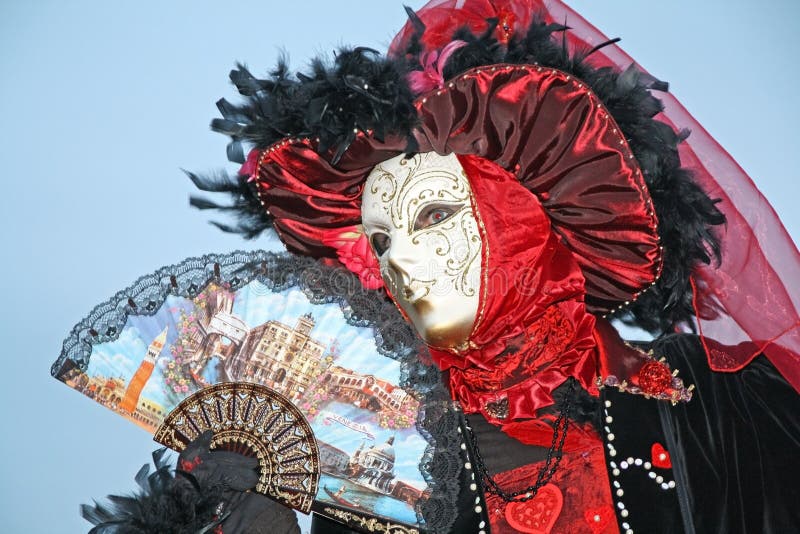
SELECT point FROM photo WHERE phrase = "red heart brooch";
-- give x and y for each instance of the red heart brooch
(538, 515)
(598, 518)
(660, 456)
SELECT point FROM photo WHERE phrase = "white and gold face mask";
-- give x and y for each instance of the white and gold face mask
(417, 214)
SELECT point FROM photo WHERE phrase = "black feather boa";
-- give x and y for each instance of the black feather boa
(365, 91)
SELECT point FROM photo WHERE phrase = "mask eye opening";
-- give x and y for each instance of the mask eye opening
(434, 214)
(380, 243)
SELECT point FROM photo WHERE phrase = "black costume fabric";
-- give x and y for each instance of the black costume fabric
(734, 447)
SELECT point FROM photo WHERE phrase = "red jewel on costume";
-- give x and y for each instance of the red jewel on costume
(655, 378)
(189, 465)
(537, 515)
(598, 518)
(505, 26)
(660, 456)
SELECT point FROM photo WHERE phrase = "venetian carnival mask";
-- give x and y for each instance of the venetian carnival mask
(417, 213)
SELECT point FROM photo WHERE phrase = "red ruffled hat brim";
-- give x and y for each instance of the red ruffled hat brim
(543, 125)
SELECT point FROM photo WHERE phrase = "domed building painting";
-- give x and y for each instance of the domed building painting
(374, 467)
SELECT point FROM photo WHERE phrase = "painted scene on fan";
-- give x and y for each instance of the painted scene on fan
(363, 421)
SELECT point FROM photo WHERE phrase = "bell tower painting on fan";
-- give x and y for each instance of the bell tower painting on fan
(142, 375)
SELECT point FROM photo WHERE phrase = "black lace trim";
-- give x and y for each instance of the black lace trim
(437, 422)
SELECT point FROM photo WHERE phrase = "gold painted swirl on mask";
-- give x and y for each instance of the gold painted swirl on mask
(457, 266)
(386, 196)
(398, 190)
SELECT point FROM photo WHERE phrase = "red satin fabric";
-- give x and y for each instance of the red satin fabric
(532, 330)
(308, 197)
(552, 133)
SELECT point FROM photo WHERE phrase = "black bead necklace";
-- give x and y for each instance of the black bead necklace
(554, 455)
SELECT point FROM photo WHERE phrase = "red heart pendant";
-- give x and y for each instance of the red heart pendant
(598, 518)
(538, 515)
(660, 456)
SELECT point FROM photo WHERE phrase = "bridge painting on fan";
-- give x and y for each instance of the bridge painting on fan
(364, 422)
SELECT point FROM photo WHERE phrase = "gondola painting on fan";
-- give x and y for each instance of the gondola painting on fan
(369, 448)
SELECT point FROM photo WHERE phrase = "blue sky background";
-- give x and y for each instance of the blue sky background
(102, 103)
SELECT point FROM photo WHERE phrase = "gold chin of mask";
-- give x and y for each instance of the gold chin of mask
(417, 214)
(444, 332)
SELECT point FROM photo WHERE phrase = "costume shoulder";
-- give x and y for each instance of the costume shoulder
(735, 444)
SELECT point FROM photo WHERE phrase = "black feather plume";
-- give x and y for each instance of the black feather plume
(160, 505)
(252, 218)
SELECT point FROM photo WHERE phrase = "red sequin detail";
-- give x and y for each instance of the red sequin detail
(660, 456)
(545, 340)
(722, 361)
(537, 515)
(655, 378)
(598, 518)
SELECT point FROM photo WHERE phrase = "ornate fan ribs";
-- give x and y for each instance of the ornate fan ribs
(258, 421)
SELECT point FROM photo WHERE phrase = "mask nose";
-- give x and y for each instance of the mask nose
(399, 278)
(399, 265)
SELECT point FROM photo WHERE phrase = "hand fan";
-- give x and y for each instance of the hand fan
(287, 360)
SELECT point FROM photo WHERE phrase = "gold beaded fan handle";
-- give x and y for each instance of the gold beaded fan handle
(254, 420)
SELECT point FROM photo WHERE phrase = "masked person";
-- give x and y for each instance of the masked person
(511, 198)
